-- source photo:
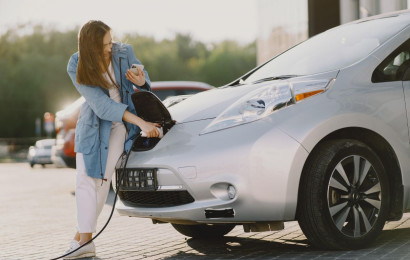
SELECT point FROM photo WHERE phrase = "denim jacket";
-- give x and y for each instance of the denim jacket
(99, 111)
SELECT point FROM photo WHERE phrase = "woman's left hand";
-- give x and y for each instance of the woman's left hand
(138, 80)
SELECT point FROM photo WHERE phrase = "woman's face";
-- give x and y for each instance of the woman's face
(107, 44)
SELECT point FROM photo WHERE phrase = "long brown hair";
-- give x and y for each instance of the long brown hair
(91, 63)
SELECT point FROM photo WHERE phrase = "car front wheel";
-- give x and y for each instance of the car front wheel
(343, 196)
(203, 230)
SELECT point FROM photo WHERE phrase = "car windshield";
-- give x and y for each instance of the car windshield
(333, 49)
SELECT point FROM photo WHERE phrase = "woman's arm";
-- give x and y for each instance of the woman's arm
(147, 127)
(102, 105)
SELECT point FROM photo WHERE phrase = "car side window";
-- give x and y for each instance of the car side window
(393, 68)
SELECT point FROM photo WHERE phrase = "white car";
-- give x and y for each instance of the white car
(40, 153)
(319, 134)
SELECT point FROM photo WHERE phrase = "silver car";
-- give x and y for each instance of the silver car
(40, 153)
(319, 134)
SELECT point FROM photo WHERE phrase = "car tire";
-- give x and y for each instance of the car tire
(203, 230)
(344, 196)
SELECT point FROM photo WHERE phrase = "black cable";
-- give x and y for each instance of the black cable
(113, 206)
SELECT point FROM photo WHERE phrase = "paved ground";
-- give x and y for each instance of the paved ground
(37, 221)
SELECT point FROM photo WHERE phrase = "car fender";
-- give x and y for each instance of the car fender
(399, 142)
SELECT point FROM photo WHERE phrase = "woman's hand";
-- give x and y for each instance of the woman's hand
(147, 127)
(150, 129)
(138, 80)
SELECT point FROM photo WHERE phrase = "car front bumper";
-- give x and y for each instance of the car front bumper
(263, 165)
(42, 159)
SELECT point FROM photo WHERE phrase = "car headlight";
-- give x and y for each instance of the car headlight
(265, 101)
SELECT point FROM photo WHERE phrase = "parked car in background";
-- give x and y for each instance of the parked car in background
(164, 89)
(63, 154)
(318, 134)
(40, 153)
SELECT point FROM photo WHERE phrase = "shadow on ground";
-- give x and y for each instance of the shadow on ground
(391, 244)
(385, 247)
(251, 248)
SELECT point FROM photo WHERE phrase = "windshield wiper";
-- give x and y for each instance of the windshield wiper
(275, 78)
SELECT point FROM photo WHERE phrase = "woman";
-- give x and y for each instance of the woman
(107, 123)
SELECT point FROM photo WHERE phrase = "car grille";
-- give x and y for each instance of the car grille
(138, 187)
(137, 179)
(155, 198)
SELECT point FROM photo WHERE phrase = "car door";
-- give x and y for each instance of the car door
(404, 74)
(392, 71)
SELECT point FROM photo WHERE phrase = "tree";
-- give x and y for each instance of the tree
(34, 80)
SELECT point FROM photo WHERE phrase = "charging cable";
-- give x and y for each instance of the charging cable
(123, 164)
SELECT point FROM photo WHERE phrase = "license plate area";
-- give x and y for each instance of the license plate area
(137, 179)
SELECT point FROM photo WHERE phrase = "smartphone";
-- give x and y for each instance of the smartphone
(134, 68)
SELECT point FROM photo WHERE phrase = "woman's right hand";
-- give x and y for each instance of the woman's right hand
(150, 128)
(147, 127)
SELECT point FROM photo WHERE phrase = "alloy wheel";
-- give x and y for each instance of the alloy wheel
(354, 196)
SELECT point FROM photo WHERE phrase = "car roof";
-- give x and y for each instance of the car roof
(71, 108)
(383, 15)
(46, 142)
(155, 85)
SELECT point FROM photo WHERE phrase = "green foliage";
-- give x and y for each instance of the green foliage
(33, 62)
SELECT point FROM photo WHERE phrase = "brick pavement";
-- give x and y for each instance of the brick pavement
(37, 221)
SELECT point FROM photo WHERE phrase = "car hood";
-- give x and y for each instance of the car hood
(209, 104)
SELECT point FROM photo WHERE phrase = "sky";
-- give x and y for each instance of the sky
(205, 20)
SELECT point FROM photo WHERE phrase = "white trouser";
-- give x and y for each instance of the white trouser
(91, 193)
